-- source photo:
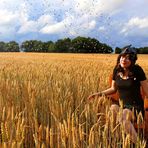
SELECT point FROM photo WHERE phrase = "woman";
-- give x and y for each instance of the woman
(127, 78)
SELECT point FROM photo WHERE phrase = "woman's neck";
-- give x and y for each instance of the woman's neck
(126, 70)
(124, 75)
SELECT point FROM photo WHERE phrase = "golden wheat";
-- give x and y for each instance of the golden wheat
(43, 101)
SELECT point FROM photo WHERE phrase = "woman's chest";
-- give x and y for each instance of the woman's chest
(129, 83)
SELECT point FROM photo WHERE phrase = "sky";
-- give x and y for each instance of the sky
(114, 22)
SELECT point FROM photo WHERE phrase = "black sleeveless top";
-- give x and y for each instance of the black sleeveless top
(129, 89)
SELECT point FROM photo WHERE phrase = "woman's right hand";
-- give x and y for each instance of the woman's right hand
(93, 96)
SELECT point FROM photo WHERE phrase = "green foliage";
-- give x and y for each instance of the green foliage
(2, 46)
(106, 48)
(48, 46)
(118, 50)
(37, 46)
(89, 45)
(11, 46)
(32, 46)
(66, 45)
(63, 45)
(142, 50)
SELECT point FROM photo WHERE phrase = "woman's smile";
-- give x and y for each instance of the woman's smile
(125, 61)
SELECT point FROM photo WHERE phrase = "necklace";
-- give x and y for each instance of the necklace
(124, 77)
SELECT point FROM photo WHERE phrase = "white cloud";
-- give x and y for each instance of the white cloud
(7, 17)
(28, 27)
(8, 24)
(92, 24)
(10, 4)
(88, 25)
(138, 22)
(51, 29)
(108, 6)
(11, 16)
(101, 28)
(46, 19)
(34, 26)
(136, 26)
(109, 20)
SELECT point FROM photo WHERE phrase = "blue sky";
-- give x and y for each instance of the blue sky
(114, 22)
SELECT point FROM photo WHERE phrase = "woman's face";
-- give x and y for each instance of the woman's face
(125, 61)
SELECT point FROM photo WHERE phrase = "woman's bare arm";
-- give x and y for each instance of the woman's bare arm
(108, 91)
(144, 85)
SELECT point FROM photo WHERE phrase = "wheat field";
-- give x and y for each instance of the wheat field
(43, 101)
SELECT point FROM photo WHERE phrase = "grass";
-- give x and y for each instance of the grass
(43, 101)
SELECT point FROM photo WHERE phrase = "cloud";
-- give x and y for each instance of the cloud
(136, 26)
(7, 20)
(55, 28)
(114, 22)
(138, 22)
(92, 24)
(101, 28)
(29, 26)
(8, 24)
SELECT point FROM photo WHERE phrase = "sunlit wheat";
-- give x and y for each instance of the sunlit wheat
(43, 101)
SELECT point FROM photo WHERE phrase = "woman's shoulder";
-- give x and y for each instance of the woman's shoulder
(137, 67)
(138, 71)
(115, 70)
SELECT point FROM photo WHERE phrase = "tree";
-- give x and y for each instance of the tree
(32, 46)
(63, 45)
(106, 49)
(48, 46)
(12, 46)
(142, 50)
(26, 46)
(2, 46)
(118, 50)
(89, 45)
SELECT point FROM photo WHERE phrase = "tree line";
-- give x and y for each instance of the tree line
(141, 50)
(11, 46)
(66, 45)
